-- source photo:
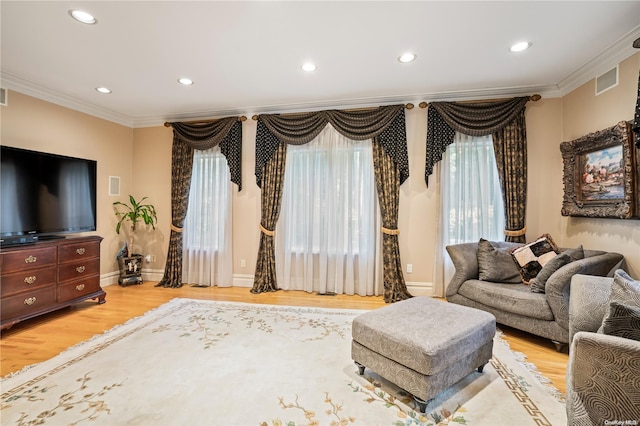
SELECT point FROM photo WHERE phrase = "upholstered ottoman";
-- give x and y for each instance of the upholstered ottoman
(423, 345)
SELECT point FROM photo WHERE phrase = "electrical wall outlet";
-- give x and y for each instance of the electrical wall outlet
(243, 263)
(409, 268)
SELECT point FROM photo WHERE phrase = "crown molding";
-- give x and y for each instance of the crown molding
(609, 58)
(18, 84)
(544, 91)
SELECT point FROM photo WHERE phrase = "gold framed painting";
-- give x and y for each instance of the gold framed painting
(601, 174)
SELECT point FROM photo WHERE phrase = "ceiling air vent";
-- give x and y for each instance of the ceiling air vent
(607, 80)
(3, 96)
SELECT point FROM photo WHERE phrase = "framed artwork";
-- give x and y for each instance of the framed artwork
(601, 174)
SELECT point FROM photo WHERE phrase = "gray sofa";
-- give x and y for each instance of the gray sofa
(514, 304)
(603, 374)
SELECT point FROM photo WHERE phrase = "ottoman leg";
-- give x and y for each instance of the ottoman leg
(422, 405)
(360, 368)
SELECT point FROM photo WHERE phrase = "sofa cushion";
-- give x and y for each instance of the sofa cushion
(513, 298)
(624, 290)
(532, 257)
(537, 284)
(622, 321)
(496, 264)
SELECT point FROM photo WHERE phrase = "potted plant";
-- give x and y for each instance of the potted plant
(133, 212)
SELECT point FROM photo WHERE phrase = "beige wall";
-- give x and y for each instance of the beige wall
(583, 113)
(38, 125)
(142, 158)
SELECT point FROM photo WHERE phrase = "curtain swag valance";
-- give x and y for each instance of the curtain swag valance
(226, 132)
(386, 123)
(473, 119)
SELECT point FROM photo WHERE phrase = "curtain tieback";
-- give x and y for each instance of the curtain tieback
(516, 233)
(265, 231)
(390, 231)
(176, 229)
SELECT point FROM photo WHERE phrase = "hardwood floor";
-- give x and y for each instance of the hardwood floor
(41, 338)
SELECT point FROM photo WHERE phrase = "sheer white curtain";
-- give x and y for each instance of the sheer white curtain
(207, 250)
(471, 204)
(327, 236)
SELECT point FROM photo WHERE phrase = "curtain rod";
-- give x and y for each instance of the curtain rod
(167, 124)
(407, 106)
(534, 98)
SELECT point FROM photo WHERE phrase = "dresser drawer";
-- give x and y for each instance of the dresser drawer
(19, 260)
(27, 280)
(78, 269)
(78, 251)
(78, 288)
(27, 303)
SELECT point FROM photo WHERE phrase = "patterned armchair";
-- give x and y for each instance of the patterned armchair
(603, 375)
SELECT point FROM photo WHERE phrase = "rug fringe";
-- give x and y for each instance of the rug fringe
(533, 369)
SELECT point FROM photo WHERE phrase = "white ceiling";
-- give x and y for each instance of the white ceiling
(245, 56)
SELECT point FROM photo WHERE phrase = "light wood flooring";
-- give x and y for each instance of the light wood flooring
(41, 338)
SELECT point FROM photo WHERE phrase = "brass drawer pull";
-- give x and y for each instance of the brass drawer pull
(30, 301)
(80, 269)
(80, 251)
(30, 280)
(80, 287)
(31, 259)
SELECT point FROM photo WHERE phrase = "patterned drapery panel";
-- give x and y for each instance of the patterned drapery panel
(510, 146)
(388, 186)
(298, 129)
(504, 120)
(226, 132)
(385, 124)
(181, 167)
(636, 117)
(271, 195)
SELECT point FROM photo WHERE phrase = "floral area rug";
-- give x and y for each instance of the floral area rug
(194, 362)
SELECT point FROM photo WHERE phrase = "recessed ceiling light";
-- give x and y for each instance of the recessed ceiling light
(104, 90)
(407, 57)
(81, 16)
(185, 81)
(519, 47)
(308, 67)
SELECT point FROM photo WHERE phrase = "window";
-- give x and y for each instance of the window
(472, 205)
(207, 254)
(327, 233)
(471, 200)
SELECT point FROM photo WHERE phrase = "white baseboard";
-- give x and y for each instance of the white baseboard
(243, 280)
(420, 288)
(111, 278)
(416, 288)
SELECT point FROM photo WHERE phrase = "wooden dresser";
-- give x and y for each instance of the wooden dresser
(48, 275)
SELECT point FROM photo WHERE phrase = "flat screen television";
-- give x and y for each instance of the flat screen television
(45, 195)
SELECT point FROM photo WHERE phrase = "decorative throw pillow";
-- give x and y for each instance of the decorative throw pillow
(576, 253)
(532, 257)
(496, 264)
(622, 321)
(537, 284)
(624, 290)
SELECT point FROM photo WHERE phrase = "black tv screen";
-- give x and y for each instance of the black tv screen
(45, 194)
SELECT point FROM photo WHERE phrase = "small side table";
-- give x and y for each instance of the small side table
(130, 270)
